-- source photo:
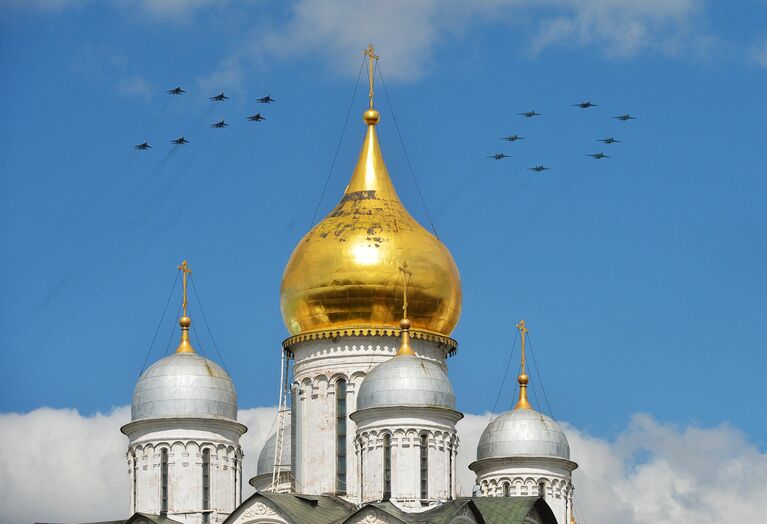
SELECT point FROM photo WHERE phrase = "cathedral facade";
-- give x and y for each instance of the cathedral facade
(368, 436)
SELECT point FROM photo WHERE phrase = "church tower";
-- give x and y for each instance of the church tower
(184, 454)
(341, 301)
(526, 453)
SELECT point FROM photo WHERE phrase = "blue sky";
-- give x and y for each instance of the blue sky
(641, 277)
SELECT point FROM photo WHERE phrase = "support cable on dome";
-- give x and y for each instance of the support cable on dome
(338, 147)
(172, 331)
(538, 374)
(404, 149)
(159, 325)
(205, 319)
(505, 374)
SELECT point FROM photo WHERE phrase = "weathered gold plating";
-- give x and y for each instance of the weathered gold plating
(344, 272)
(523, 379)
(185, 346)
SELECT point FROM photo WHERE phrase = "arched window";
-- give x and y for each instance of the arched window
(164, 481)
(135, 481)
(424, 467)
(450, 470)
(236, 487)
(506, 489)
(205, 485)
(541, 489)
(386, 467)
(341, 437)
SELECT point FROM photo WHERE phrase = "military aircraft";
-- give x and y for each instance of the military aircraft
(529, 114)
(538, 169)
(180, 141)
(512, 138)
(219, 98)
(265, 100)
(598, 156)
(220, 124)
(585, 105)
(499, 156)
(176, 91)
(256, 118)
(143, 147)
(625, 117)
(609, 140)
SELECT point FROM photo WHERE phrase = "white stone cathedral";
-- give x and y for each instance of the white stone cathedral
(370, 299)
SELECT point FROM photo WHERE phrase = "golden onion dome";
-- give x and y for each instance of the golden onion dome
(347, 271)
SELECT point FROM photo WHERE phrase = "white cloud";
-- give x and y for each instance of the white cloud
(227, 76)
(135, 86)
(41, 5)
(409, 33)
(759, 53)
(57, 465)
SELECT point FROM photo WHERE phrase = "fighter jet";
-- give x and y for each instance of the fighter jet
(625, 117)
(220, 124)
(265, 100)
(512, 138)
(499, 156)
(176, 91)
(609, 140)
(256, 118)
(538, 169)
(180, 141)
(219, 98)
(585, 105)
(143, 147)
(598, 156)
(529, 114)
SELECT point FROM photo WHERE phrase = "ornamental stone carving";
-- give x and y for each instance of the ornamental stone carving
(258, 509)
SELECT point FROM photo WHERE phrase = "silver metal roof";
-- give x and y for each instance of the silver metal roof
(184, 384)
(406, 381)
(266, 457)
(523, 432)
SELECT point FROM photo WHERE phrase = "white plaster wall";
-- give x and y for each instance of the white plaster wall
(318, 364)
(406, 425)
(185, 447)
(525, 476)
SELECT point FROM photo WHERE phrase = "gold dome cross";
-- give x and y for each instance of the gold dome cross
(369, 52)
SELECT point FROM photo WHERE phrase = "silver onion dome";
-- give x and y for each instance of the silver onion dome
(406, 380)
(184, 385)
(523, 432)
(266, 457)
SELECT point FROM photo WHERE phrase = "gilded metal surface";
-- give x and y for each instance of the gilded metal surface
(184, 384)
(523, 432)
(185, 346)
(523, 379)
(344, 272)
(406, 381)
(288, 343)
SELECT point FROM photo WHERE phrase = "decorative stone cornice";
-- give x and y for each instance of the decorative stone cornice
(334, 334)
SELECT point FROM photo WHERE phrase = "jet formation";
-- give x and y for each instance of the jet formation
(584, 104)
(221, 97)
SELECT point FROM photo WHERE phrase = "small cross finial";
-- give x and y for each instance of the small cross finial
(523, 332)
(184, 268)
(370, 53)
(523, 403)
(406, 275)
